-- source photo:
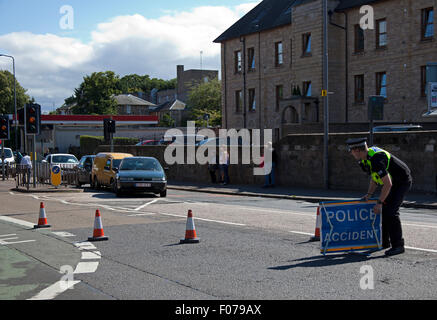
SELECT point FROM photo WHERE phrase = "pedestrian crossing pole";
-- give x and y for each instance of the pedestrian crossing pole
(325, 96)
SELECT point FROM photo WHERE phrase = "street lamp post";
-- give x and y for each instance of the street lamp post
(15, 99)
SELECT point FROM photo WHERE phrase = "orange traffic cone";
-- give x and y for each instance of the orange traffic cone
(316, 236)
(98, 234)
(190, 233)
(42, 220)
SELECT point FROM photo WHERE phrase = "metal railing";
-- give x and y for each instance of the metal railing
(40, 175)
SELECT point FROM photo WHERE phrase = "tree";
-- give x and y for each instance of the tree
(7, 93)
(94, 95)
(206, 99)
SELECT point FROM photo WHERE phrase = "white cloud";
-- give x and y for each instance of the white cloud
(51, 66)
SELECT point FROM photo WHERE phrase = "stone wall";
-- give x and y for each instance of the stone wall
(301, 161)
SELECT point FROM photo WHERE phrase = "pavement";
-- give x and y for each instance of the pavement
(315, 195)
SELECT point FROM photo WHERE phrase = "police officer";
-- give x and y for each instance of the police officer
(394, 176)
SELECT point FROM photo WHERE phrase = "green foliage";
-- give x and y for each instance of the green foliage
(135, 83)
(167, 121)
(7, 93)
(206, 99)
(94, 95)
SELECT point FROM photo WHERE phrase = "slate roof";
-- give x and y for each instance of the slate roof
(128, 99)
(174, 104)
(347, 4)
(266, 15)
(270, 14)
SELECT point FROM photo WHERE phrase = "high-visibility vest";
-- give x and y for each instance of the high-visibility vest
(370, 154)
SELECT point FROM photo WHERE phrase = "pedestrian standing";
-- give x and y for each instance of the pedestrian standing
(224, 164)
(269, 170)
(394, 177)
(212, 167)
(26, 166)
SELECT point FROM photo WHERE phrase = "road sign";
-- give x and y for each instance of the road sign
(324, 93)
(349, 226)
(55, 175)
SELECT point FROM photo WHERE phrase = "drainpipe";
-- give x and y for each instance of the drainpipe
(224, 80)
(243, 58)
(346, 115)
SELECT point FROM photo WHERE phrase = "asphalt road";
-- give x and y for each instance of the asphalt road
(250, 248)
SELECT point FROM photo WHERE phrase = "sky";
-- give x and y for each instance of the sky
(56, 43)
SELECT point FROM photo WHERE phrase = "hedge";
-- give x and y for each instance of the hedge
(90, 143)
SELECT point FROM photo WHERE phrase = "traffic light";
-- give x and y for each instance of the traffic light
(4, 127)
(33, 118)
(108, 128)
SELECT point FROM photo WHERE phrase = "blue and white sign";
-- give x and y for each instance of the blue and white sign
(349, 226)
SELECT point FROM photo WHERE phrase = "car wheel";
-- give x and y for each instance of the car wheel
(93, 183)
(163, 194)
(114, 186)
(78, 184)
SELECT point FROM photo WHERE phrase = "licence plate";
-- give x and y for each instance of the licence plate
(143, 185)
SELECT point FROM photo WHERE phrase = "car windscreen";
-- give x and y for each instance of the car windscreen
(8, 153)
(64, 159)
(116, 163)
(140, 164)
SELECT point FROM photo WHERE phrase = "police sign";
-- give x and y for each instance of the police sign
(349, 226)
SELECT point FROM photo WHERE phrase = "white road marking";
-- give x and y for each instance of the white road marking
(85, 245)
(19, 222)
(8, 235)
(86, 267)
(419, 225)
(86, 255)
(64, 234)
(210, 220)
(141, 214)
(304, 233)
(145, 205)
(421, 249)
(54, 290)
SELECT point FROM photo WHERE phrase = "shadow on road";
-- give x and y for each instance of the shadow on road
(325, 261)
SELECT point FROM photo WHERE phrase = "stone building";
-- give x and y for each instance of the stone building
(276, 51)
(186, 80)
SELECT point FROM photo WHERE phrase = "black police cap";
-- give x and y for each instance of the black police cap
(356, 143)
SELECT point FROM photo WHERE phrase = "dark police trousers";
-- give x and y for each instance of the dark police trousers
(391, 223)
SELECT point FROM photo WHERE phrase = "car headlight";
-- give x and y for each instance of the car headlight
(159, 179)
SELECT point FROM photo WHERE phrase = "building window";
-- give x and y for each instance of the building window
(128, 109)
(306, 44)
(427, 23)
(359, 88)
(252, 100)
(237, 61)
(306, 88)
(381, 33)
(381, 84)
(279, 58)
(238, 101)
(251, 59)
(359, 39)
(423, 81)
(279, 95)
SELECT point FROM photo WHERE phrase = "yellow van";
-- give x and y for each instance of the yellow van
(103, 172)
